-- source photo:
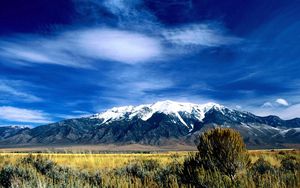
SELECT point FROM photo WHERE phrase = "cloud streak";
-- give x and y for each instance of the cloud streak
(282, 102)
(204, 35)
(288, 112)
(20, 115)
(279, 107)
(80, 48)
(121, 46)
(84, 47)
(12, 90)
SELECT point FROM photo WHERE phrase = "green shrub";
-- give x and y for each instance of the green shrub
(6, 176)
(29, 159)
(10, 174)
(44, 165)
(262, 166)
(169, 174)
(290, 163)
(222, 150)
(150, 164)
(95, 179)
(191, 169)
(132, 170)
(221, 156)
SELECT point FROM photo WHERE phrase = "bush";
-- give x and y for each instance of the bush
(193, 174)
(9, 174)
(6, 176)
(222, 149)
(132, 170)
(95, 179)
(43, 165)
(170, 174)
(221, 155)
(262, 166)
(92, 179)
(290, 163)
(29, 159)
(191, 169)
(150, 164)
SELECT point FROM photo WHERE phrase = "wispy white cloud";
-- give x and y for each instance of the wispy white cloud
(267, 105)
(13, 90)
(278, 103)
(204, 35)
(80, 112)
(126, 13)
(128, 90)
(292, 111)
(79, 48)
(116, 45)
(28, 50)
(238, 107)
(14, 114)
(20, 53)
(137, 37)
(279, 107)
(74, 114)
(83, 47)
(282, 102)
(16, 125)
(142, 86)
(120, 7)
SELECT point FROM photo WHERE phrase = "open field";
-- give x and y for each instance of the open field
(98, 148)
(152, 169)
(91, 161)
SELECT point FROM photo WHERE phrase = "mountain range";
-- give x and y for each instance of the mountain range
(160, 123)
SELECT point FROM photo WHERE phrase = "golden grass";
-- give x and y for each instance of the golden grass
(93, 162)
(273, 156)
(109, 164)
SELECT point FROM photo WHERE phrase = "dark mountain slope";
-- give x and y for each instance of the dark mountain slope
(161, 123)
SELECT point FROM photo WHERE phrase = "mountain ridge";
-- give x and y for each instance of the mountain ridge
(160, 123)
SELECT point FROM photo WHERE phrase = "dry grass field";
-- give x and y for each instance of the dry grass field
(92, 162)
(135, 169)
(111, 148)
(273, 156)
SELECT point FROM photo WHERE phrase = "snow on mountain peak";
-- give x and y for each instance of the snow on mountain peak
(167, 107)
(170, 107)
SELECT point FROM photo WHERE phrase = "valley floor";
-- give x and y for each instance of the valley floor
(95, 161)
(76, 168)
(97, 148)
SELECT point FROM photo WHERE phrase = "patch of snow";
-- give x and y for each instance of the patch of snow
(283, 132)
(167, 107)
(17, 126)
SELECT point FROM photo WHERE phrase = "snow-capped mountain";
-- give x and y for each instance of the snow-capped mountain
(177, 110)
(160, 123)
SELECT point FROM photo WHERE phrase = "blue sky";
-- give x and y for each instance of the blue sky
(64, 59)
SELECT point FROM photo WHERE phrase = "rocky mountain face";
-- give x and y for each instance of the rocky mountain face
(161, 123)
